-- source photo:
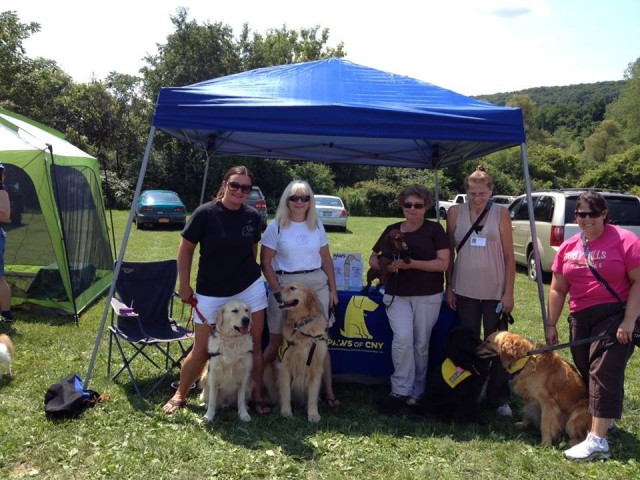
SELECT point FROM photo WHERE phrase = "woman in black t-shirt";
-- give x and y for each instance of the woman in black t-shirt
(228, 232)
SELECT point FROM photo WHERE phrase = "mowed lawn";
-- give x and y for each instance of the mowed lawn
(130, 438)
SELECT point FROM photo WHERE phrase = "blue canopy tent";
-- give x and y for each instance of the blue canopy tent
(331, 111)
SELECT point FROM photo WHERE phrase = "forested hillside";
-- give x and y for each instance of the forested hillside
(582, 94)
(578, 135)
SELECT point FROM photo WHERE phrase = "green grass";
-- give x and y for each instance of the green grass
(130, 438)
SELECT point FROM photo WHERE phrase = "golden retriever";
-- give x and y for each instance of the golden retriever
(554, 395)
(6, 354)
(304, 331)
(227, 379)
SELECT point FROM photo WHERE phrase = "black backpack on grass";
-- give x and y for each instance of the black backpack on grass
(67, 399)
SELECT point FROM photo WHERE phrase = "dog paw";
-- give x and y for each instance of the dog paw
(207, 417)
(287, 413)
(313, 417)
(244, 416)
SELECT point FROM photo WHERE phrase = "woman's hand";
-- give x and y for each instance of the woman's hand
(450, 297)
(333, 298)
(508, 303)
(551, 335)
(625, 330)
(185, 292)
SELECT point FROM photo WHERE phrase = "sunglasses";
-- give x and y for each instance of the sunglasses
(233, 186)
(299, 198)
(588, 214)
(417, 205)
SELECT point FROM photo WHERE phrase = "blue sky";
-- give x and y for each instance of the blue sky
(470, 46)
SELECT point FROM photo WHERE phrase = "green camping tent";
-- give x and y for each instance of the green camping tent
(58, 255)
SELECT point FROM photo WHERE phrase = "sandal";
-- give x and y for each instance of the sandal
(332, 402)
(173, 405)
(260, 407)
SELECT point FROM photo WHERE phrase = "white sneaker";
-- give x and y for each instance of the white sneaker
(504, 410)
(412, 401)
(592, 448)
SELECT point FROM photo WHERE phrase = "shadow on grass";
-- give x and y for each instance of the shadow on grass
(357, 416)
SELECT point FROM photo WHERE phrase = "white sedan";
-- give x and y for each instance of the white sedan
(331, 211)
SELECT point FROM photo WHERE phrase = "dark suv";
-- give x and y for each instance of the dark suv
(554, 212)
(257, 200)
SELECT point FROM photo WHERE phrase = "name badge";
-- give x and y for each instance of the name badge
(478, 242)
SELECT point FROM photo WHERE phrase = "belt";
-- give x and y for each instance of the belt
(282, 272)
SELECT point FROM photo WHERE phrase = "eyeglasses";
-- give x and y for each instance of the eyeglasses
(233, 186)
(417, 205)
(588, 214)
(299, 198)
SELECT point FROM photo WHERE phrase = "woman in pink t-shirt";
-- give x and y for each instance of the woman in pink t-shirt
(614, 253)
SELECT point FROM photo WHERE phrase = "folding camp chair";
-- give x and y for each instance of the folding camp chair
(141, 320)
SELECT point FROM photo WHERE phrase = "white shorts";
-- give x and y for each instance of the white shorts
(255, 296)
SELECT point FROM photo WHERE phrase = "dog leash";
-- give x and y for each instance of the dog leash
(192, 301)
(550, 348)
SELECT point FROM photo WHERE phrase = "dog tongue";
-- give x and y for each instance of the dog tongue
(244, 330)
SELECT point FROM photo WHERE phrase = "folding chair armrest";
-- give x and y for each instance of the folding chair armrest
(121, 309)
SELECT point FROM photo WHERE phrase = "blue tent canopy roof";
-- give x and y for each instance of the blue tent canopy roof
(335, 111)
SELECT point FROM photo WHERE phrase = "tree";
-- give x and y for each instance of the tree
(620, 172)
(12, 53)
(602, 143)
(193, 53)
(27, 86)
(626, 110)
(528, 107)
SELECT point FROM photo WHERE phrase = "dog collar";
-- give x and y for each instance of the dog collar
(518, 365)
(302, 323)
(452, 374)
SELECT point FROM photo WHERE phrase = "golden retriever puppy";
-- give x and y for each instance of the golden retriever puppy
(304, 331)
(227, 378)
(554, 395)
(6, 354)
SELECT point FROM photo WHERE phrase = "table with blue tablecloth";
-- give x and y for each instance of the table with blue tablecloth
(360, 339)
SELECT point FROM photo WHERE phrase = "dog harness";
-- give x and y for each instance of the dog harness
(452, 374)
(284, 346)
(518, 365)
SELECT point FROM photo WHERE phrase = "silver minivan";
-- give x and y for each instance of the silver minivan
(555, 221)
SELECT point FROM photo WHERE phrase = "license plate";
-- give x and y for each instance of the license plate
(326, 214)
(163, 220)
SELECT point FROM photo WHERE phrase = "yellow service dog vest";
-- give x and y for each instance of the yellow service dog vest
(453, 374)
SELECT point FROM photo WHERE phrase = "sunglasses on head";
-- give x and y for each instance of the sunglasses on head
(300, 198)
(416, 205)
(233, 186)
(588, 214)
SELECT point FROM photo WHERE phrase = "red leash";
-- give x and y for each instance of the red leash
(193, 303)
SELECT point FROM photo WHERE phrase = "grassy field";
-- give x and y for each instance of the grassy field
(130, 438)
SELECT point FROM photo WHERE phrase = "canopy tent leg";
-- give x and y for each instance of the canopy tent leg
(437, 193)
(534, 233)
(204, 179)
(116, 270)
